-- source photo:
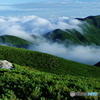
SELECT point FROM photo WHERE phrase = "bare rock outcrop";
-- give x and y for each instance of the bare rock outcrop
(6, 65)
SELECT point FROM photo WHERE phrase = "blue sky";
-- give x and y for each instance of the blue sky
(25, 1)
(45, 8)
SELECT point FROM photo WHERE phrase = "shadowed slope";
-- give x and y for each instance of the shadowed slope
(97, 64)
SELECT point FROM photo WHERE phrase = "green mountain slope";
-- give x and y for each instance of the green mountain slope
(41, 76)
(91, 29)
(24, 83)
(67, 37)
(89, 34)
(48, 63)
(94, 20)
(14, 41)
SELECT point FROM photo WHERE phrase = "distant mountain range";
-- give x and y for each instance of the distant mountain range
(89, 33)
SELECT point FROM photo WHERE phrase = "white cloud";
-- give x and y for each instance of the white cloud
(83, 54)
(2, 20)
(24, 26)
(13, 19)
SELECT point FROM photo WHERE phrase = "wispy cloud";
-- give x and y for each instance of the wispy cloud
(66, 8)
(34, 24)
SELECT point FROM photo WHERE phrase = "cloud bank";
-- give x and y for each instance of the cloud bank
(83, 54)
(25, 26)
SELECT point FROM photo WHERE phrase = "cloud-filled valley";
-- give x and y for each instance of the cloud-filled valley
(25, 26)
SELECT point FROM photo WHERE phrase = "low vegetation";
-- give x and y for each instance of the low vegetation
(25, 83)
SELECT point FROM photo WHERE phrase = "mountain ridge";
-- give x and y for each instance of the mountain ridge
(90, 33)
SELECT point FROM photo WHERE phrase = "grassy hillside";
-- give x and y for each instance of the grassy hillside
(47, 63)
(89, 33)
(94, 20)
(24, 83)
(13, 41)
(61, 35)
(40, 76)
(91, 29)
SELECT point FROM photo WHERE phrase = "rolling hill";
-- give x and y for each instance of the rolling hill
(41, 76)
(14, 41)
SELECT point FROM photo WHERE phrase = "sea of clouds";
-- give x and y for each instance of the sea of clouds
(25, 26)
